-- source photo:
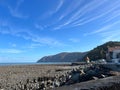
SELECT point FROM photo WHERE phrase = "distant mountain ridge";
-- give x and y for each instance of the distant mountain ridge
(97, 53)
(63, 57)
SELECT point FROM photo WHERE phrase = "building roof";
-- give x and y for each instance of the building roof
(110, 49)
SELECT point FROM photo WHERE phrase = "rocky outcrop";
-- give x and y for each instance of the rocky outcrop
(63, 57)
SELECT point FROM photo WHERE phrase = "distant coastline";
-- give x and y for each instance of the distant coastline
(32, 63)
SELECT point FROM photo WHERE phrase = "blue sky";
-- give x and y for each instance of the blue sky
(30, 29)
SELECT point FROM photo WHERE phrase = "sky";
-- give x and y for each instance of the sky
(31, 29)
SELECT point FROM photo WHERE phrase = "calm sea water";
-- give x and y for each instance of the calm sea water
(32, 63)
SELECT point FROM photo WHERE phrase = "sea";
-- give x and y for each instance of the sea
(33, 63)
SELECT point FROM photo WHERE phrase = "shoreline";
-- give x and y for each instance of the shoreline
(24, 64)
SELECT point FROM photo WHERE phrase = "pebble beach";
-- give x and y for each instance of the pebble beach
(12, 75)
(46, 77)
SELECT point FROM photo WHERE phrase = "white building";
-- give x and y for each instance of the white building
(113, 54)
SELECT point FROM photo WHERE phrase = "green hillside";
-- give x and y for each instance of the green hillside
(100, 51)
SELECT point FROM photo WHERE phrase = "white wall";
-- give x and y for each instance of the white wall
(115, 52)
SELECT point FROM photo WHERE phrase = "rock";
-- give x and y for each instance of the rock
(85, 77)
(91, 72)
(82, 72)
(102, 76)
(42, 86)
(75, 77)
(95, 78)
(114, 73)
(56, 83)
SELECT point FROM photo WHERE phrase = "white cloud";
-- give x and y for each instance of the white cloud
(4, 27)
(10, 59)
(12, 44)
(82, 11)
(78, 13)
(11, 51)
(34, 45)
(82, 15)
(75, 40)
(70, 9)
(15, 11)
(112, 16)
(41, 40)
(53, 9)
(102, 29)
(28, 35)
(3, 22)
(113, 35)
(108, 10)
(108, 32)
(3, 59)
(40, 27)
(4, 31)
(56, 9)
(60, 26)
(47, 41)
(59, 6)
